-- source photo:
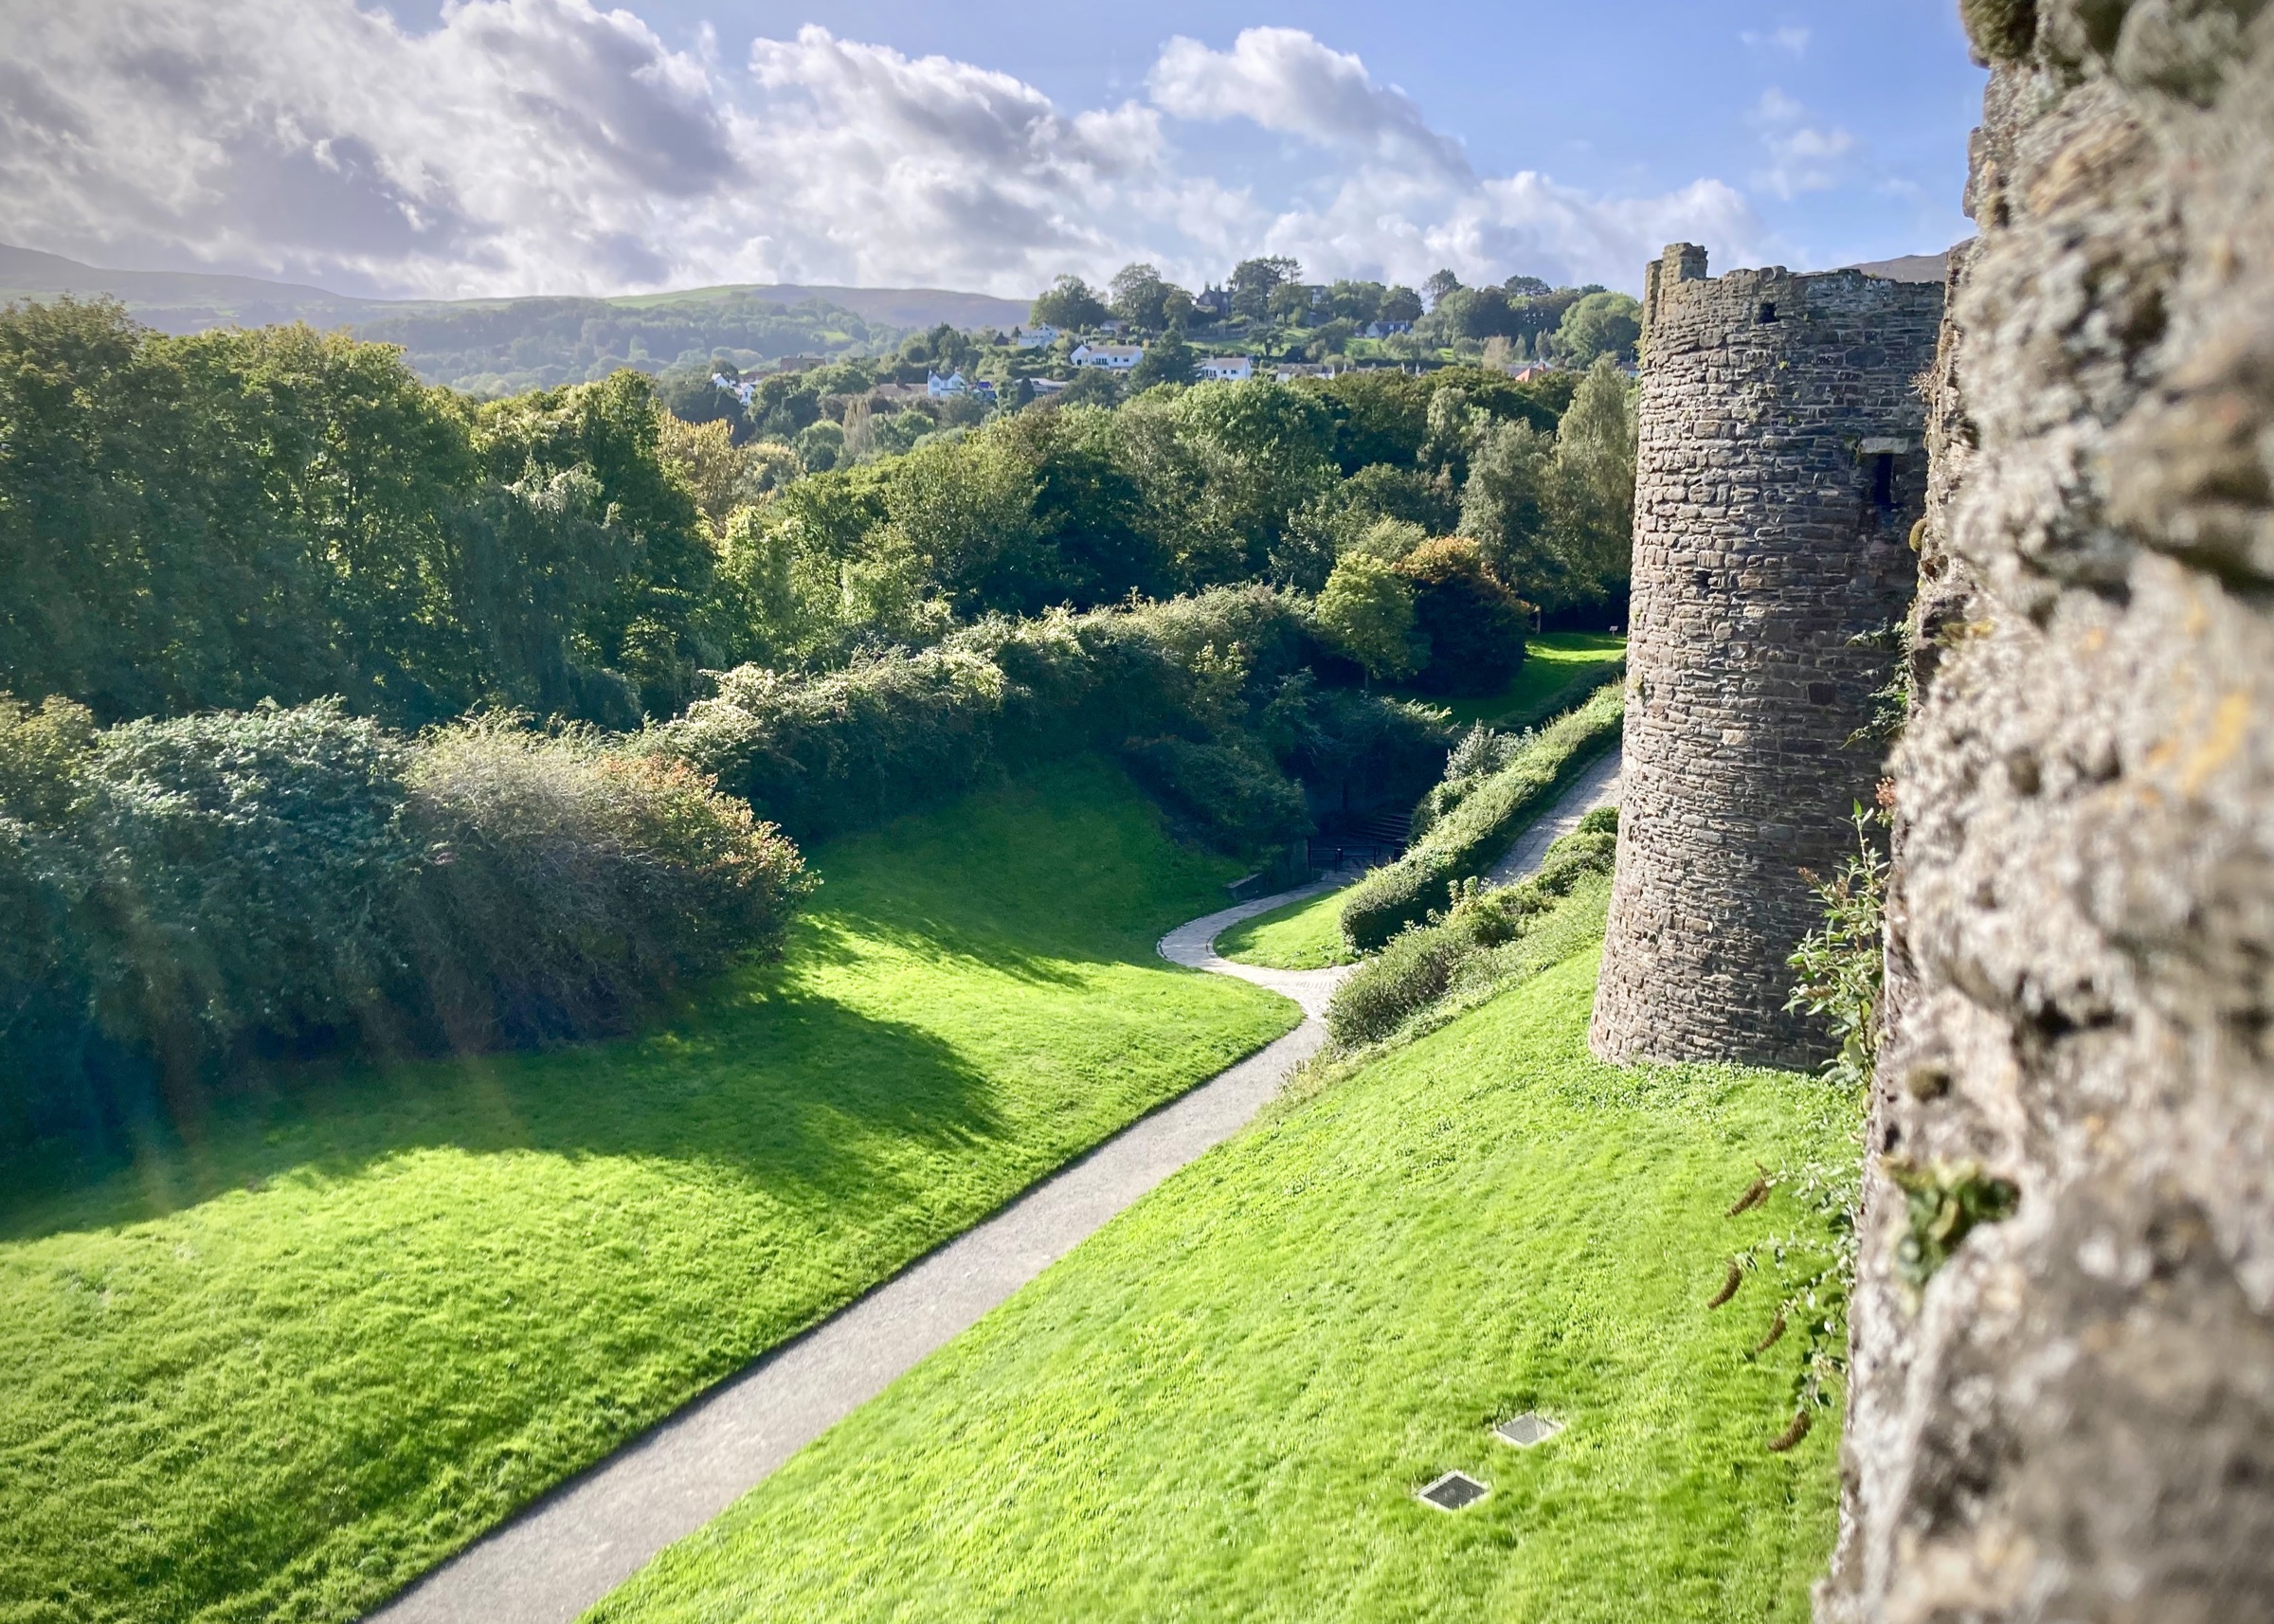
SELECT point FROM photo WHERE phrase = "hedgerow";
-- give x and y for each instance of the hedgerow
(1423, 964)
(1208, 698)
(1469, 837)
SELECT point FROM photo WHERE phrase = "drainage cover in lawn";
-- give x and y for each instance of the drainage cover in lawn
(1453, 1491)
(1527, 1429)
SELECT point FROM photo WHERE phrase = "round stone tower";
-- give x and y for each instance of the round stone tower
(1779, 474)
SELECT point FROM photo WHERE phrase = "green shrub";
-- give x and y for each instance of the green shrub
(185, 894)
(1423, 963)
(563, 886)
(1221, 673)
(1478, 830)
(1467, 620)
(245, 868)
(822, 753)
(1230, 794)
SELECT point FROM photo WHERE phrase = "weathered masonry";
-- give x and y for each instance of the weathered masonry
(1781, 471)
(2067, 1414)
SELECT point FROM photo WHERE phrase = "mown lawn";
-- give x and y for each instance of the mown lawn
(1304, 935)
(1551, 660)
(1221, 1406)
(287, 1362)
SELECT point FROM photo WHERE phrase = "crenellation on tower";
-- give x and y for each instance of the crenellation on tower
(1781, 470)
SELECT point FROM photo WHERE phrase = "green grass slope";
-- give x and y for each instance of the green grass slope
(1553, 661)
(1222, 1405)
(275, 1371)
(1304, 935)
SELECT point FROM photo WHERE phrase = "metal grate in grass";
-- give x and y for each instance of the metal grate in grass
(1527, 1429)
(1453, 1491)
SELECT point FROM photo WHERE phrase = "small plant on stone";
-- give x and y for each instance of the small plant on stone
(1819, 1257)
(1843, 964)
(1944, 1202)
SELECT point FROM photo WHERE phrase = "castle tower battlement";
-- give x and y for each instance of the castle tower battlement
(1781, 470)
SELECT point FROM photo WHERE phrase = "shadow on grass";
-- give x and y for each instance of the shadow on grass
(759, 1080)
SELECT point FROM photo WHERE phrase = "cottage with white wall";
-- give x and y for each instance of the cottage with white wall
(1226, 368)
(1112, 357)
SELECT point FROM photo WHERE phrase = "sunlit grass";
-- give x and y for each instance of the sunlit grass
(1221, 1405)
(323, 1336)
(1552, 662)
(1306, 935)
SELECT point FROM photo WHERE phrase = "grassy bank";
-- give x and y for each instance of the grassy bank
(1554, 663)
(1221, 1405)
(1306, 935)
(320, 1338)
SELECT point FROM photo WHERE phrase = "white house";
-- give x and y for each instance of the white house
(1385, 329)
(1039, 337)
(1226, 368)
(955, 384)
(741, 391)
(1112, 357)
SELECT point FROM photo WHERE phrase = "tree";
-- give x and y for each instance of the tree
(1366, 612)
(1253, 280)
(1290, 303)
(1599, 324)
(1523, 287)
(1356, 301)
(1069, 306)
(1440, 284)
(1165, 360)
(1474, 624)
(1400, 303)
(1143, 300)
(1594, 466)
(1092, 386)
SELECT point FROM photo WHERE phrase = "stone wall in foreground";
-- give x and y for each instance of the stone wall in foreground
(1779, 473)
(2072, 1418)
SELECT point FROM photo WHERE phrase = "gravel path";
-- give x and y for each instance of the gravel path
(586, 1536)
(1596, 786)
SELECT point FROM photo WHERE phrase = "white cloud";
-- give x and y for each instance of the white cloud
(1286, 81)
(549, 146)
(1788, 41)
(1803, 157)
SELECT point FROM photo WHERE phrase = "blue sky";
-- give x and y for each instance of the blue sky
(462, 147)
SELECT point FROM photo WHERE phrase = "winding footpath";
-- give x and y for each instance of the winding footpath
(586, 1536)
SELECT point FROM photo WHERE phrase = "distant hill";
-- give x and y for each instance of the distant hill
(894, 307)
(1909, 267)
(499, 346)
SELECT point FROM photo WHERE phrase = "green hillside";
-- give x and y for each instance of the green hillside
(279, 1366)
(1222, 1405)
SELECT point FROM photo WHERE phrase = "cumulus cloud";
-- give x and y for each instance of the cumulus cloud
(1804, 155)
(551, 146)
(1286, 81)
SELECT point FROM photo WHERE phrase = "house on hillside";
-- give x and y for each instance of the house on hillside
(741, 390)
(955, 385)
(1535, 370)
(1045, 388)
(1226, 368)
(1215, 300)
(1385, 329)
(1040, 336)
(1112, 357)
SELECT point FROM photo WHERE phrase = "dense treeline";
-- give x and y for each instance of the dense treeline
(203, 522)
(208, 521)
